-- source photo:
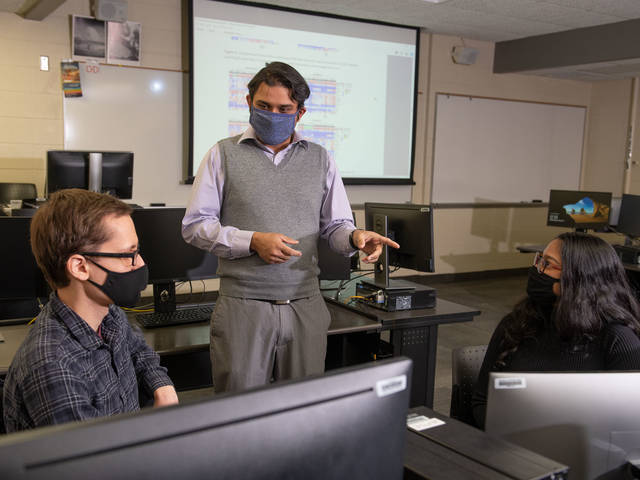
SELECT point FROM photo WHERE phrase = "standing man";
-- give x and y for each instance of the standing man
(81, 359)
(260, 201)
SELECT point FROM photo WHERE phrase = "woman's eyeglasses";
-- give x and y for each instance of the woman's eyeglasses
(542, 263)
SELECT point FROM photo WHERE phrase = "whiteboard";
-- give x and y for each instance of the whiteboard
(138, 110)
(492, 150)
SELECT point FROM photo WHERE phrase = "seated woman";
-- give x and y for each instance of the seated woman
(579, 315)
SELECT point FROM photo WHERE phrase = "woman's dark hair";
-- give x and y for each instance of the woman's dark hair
(594, 291)
(279, 73)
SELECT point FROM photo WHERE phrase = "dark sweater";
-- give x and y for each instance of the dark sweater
(617, 347)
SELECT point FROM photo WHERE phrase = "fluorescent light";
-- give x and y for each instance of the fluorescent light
(435, 1)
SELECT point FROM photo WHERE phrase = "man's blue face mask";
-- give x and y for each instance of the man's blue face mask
(272, 128)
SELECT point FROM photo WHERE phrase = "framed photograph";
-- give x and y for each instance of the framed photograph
(123, 44)
(89, 38)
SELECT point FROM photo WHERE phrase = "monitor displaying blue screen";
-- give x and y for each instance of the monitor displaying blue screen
(579, 209)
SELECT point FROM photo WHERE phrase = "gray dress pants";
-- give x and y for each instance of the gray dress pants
(256, 341)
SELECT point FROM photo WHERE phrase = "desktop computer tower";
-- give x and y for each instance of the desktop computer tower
(628, 254)
(397, 298)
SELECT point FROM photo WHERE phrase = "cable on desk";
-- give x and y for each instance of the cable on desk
(343, 283)
(140, 310)
(178, 285)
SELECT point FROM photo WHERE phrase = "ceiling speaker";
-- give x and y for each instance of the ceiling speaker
(464, 55)
(111, 10)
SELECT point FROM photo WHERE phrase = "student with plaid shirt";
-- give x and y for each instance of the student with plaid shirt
(81, 359)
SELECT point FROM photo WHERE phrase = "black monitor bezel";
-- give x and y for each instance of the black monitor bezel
(427, 262)
(172, 441)
(176, 212)
(25, 287)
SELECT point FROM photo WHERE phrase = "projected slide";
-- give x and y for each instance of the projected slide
(361, 78)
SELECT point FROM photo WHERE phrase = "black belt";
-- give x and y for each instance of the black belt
(279, 302)
(273, 302)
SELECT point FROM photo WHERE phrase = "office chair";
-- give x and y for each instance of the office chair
(466, 363)
(17, 191)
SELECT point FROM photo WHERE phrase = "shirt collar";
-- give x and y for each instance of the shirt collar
(250, 135)
(79, 328)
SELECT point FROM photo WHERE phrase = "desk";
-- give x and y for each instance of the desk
(414, 334)
(456, 451)
(184, 349)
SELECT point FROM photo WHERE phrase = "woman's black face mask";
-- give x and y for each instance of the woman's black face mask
(540, 287)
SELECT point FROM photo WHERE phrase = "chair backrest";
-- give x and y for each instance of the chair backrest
(17, 191)
(466, 363)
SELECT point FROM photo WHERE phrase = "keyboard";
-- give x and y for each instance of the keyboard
(179, 317)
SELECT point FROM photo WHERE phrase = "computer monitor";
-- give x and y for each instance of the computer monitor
(411, 226)
(614, 216)
(332, 265)
(579, 209)
(589, 421)
(22, 285)
(169, 258)
(629, 220)
(70, 169)
(347, 424)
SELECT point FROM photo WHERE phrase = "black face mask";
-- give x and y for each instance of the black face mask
(540, 287)
(123, 288)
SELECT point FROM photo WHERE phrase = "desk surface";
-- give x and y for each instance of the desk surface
(456, 450)
(344, 319)
(444, 312)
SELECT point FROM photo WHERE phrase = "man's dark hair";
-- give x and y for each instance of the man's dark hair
(279, 73)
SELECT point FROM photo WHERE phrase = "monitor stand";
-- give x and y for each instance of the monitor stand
(381, 269)
(164, 297)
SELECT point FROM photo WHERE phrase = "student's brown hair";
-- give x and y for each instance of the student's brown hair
(70, 222)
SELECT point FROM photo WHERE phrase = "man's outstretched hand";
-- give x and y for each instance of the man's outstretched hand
(371, 243)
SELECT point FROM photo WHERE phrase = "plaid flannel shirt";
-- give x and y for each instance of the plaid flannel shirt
(64, 371)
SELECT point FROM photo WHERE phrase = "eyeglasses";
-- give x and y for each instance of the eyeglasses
(132, 255)
(542, 263)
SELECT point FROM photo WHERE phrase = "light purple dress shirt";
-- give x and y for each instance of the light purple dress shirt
(201, 224)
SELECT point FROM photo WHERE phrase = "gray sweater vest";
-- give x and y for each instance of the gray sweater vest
(285, 199)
